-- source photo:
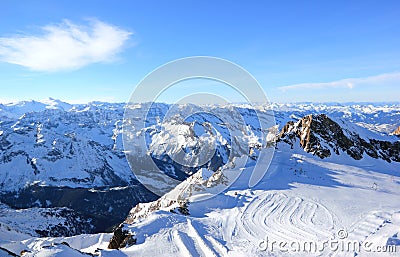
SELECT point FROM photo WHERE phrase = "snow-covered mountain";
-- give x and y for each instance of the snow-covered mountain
(60, 155)
(378, 117)
(346, 154)
(16, 109)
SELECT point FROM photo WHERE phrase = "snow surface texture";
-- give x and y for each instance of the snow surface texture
(303, 198)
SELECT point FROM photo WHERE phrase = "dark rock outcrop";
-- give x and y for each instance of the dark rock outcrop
(121, 238)
(321, 136)
(397, 131)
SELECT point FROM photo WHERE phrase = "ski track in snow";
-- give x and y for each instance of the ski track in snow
(190, 242)
(286, 218)
(184, 244)
(193, 243)
(368, 225)
(206, 248)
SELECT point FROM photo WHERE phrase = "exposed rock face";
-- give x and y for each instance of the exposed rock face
(121, 238)
(397, 131)
(321, 136)
(142, 210)
(303, 130)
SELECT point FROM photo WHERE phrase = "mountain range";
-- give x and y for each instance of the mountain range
(60, 160)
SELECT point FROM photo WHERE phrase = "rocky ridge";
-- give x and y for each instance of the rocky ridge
(321, 136)
(397, 131)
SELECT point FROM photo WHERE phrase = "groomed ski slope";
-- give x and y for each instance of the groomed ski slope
(301, 199)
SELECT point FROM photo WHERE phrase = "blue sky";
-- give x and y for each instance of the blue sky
(80, 51)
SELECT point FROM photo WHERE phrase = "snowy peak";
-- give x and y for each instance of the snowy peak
(17, 109)
(322, 136)
(56, 104)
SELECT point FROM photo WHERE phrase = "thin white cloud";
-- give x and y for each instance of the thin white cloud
(64, 46)
(350, 83)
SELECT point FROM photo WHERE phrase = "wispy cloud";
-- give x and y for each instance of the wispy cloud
(350, 83)
(64, 46)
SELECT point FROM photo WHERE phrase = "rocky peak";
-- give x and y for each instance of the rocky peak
(321, 136)
(397, 131)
